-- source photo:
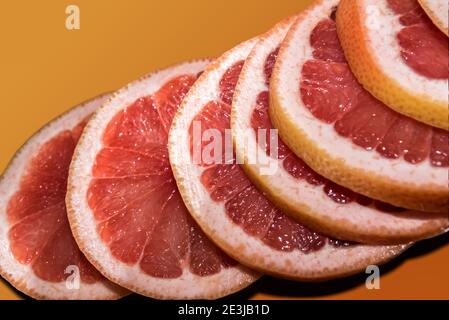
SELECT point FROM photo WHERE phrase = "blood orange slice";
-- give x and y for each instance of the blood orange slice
(292, 185)
(398, 55)
(342, 132)
(437, 10)
(38, 254)
(229, 208)
(124, 207)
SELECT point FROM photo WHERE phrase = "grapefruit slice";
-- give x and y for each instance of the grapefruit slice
(38, 254)
(124, 208)
(398, 55)
(345, 134)
(229, 208)
(292, 185)
(437, 10)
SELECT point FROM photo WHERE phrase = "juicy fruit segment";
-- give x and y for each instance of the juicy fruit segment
(325, 43)
(40, 234)
(260, 119)
(295, 166)
(332, 94)
(229, 81)
(424, 48)
(246, 206)
(139, 212)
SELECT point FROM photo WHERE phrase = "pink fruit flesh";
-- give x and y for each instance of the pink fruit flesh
(332, 94)
(269, 65)
(295, 166)
(139, 212)
(424, 48)
(244, 204)
(229, 81)
(40, 234)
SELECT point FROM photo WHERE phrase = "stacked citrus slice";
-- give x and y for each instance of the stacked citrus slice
(38, 254)
(399, 55)
(179, 186)
(294, 186)
(229, 208)
(343, 132)
(124, 207)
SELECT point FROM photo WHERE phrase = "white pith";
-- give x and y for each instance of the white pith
(326, 263)
(20, 275)
(361, 221)
(288, 75)
(84, 226)
(438, 10)
(382, 30)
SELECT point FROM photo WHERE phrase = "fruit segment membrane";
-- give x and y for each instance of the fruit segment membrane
(139, 212)
(40, 234)
(332, 94)
(245, 205)
(424, 48)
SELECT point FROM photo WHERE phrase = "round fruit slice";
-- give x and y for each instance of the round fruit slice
(398, 55)
(38, 254)
(437, 10)
(229, 208)
(124, 207)
(342, 132)
(292, 185)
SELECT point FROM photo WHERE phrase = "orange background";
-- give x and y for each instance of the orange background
(45, 69)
